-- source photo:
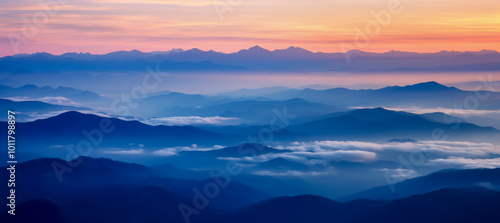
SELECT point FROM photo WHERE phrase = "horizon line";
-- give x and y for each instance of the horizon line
(256, 46)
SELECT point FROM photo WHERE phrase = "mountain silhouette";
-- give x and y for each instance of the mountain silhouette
(72, 127)
(434, 181)
(425, 95)
(120, 186)
(258, 58)
(379, 123)
(446, 205)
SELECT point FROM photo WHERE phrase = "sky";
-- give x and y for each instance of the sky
(102, 26)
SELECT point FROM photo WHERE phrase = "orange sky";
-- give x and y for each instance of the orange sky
(100, 26)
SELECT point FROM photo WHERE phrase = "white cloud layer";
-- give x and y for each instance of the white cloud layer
(59, 100)
(292, 173)
(461, 113)
(126, 152)
(193, 120)
(172, 151)
(468, 163)
(435, 147)
(323, 152)
(399, 174)
(311, 157)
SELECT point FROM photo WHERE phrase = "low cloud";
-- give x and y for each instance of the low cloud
(194, 120)
(323, 152)
(399, 174)
(59, 100)
(172, 151)
(32, 116)
(165, 152)
(488, 185)
(129, 152)
(449, 111)
(468, 163)
(289, 173)
(311, 157)
(339, 155)
(435, 147)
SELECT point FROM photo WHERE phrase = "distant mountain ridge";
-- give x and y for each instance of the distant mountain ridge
(380, 123)
(434, 181)
(33, 92)
(34, 107)
(259, 59)
(446, 205)
(365, 124)
(69, 128)
(427, 94)
(121, 186)
(156, 198)
(291, 51)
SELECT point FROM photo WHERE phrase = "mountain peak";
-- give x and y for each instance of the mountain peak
(372, 112)
(256, 49)
(239, 151)
(356, 51)
(135, 51)
(431, 85)
(484, 51)
(297, 50)
(44, 54)
(29, 87)
(70, 114)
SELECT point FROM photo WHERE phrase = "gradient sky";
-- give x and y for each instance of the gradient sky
(100, 26)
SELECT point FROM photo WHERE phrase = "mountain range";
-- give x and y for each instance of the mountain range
(196, 140)
(292, 59)
(67, 95)
(144, 192)
(379, 123)
(445, 205)
(427, 95)
(435, 181)
(29, 109)
(362, 124)
(148, 194)
(306, 104)
(73, 127)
